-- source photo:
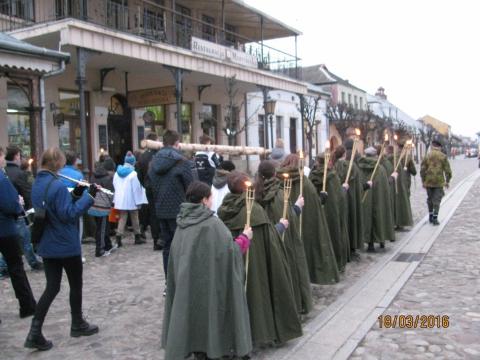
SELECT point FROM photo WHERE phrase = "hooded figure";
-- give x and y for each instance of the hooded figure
(321, 261)
(378, 219)
(205, 307)
(403, 209)
(271, 302)
(335, 210)
(270, 196)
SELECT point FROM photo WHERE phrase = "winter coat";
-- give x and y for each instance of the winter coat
(435, 171)
(142, 166)
(170, 175)
(403, 208)
(10, 208)
(129, 194)
(103, 177)
(72, 172)
(60, 238)
(271, 302)
(205, 307)
(219, 188)
(20, 180)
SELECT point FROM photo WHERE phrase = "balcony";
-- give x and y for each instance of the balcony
(155, 22)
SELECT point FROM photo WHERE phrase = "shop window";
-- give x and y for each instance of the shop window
(154, 118)
(186, 118)
(18, 118)
(208, 117)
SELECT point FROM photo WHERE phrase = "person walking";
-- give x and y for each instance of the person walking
(206, 161)
(436, 175)
(170, 174)
(219, 183)
(10, 209)
(59, 245)
(129, 197)
(19, 179)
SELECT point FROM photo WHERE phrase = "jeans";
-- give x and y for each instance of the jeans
(53, 272)
(25, 243)
(102, 234)
(10, 249)
(167, 231)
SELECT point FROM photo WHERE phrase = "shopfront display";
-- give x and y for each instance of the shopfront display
(18, 118)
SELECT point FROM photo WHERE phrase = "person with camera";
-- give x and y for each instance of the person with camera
(59, 244)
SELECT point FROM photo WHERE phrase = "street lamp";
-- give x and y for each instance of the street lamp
(269, 111)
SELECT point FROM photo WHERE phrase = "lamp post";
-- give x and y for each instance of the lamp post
(269, 111)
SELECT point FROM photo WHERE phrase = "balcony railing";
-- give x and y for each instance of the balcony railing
(148, 20)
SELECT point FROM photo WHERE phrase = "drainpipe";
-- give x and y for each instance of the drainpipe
(43, 113)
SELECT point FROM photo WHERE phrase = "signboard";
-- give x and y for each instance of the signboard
(157, 96)
(223, 53)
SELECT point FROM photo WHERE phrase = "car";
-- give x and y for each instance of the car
(472, 152)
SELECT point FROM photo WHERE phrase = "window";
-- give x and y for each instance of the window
(355, 99)
(279, 127)
(117, 15)
(261, 130)
(209, 121)
(349, 99)
(22, 9)
(18, 118)
(361, 102)
(208, 32)
(184, 26)
(186, 118)
(230, 38)
(343, 97)
(158, 124)
(153, 24)
(76, 8)
(69, 133)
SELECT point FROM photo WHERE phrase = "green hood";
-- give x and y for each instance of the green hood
(292, 172)
(367, 163)
(233, 213)
(192, 214)
(270, 190)
(316, 177)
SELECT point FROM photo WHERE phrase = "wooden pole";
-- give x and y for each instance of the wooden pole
(249, 199)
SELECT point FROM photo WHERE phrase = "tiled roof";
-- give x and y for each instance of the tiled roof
(320, 75)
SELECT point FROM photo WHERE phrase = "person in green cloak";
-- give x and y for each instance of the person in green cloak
(335, 208)
(269, 194)
(355, 188)
(387, 163)
(206, 310)
(376, 203)
(271, 302)
(402, 199)
(321, 261)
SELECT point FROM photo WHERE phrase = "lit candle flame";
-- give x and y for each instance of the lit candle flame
(327, 145)
(395, 137)
(301, 154)
(386, 137)
(285, 175)
(248, 184)
(357, 132)
(102, 150)
(30, 161)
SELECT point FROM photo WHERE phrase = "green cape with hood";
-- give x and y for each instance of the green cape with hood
(321, 261)
(272, 202)
(336, 213)
(354, 199)
(205, 307)
(378, 218)
(387, 163)
(402, 198)
(273, 311)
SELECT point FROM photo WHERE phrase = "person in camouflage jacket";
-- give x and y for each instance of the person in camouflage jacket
(436, 175)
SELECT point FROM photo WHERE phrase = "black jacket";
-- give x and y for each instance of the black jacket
(103, 177)
(170, 175)
(141, 167)
(19, 179)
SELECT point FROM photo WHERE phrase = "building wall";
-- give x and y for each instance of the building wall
(353, 93)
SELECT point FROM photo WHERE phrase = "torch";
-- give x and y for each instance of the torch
(377, 164)
(352, 157)
(301, 164)
(325, 166)
(287, 189)
(249, 199)
(409, 150)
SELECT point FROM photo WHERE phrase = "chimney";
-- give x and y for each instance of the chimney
(381, 93)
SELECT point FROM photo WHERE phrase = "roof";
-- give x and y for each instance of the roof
(442, 127)
(9, 43)
(320, 75)
(384, 108)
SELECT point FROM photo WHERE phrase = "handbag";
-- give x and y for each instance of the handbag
(114, 216)
(102, 205)
(40, 218)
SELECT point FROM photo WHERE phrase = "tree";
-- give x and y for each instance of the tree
(342, 116)
(426, 134)
(309, 105)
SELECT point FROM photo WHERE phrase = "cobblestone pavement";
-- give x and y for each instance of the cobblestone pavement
(123, 295)
(447, 282)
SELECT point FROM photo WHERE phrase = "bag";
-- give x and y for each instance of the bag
(114, 216)
(102, 205)
(40, 218)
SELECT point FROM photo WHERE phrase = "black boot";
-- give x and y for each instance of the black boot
(157, 246)
(139, 240)
(371, 247)
(430, 218)
(35, 339)
(118, 238)
(435, 219)
(382, 245)
(82, 328)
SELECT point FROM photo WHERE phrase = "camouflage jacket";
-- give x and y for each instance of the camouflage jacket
(435, 171)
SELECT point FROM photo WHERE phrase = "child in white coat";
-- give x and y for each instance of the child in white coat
(128, 198)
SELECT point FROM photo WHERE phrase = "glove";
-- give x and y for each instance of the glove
(323, 197)
(92, 190)
(78, 190)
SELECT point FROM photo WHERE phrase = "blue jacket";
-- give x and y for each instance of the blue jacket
(70, 171)
(9, 207)
(61, 237)
(170, 174)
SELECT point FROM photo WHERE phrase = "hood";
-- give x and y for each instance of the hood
(316, 176)
(233, 213)
(270, 190)
(124, 170)
(292, 172)
(100, 172)
(166, 158)
(277, 154)
(220, 178)
(367, 163)
(192, 214)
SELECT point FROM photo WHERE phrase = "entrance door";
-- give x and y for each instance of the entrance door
(119, 129)
(293, 135)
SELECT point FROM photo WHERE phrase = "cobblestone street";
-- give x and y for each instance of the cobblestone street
(123, 295)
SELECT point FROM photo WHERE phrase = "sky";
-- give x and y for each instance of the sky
(425, 53)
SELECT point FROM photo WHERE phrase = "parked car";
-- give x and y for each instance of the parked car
(472, 152)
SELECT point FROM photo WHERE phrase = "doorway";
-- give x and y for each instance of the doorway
(119, 123)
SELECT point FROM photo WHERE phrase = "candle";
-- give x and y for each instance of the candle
(287, 189)
(249, 199)
(325, 165)
(352, 157)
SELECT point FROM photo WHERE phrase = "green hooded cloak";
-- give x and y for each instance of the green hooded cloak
(321, 261)
(271, 303)
(378, 217)
(335, 212)
(354, 198)
(387, 163)
(402, 198)
(205, 307)
(272, 202)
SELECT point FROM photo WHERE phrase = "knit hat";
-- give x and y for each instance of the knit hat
(130, 158)
(348, 143)
(371, 151)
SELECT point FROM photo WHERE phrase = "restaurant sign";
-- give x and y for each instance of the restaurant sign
(156, 96)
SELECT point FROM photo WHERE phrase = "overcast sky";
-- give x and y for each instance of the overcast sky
(425, 53)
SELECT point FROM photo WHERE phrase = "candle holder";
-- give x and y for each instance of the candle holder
(325, 166)
(249, 199)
